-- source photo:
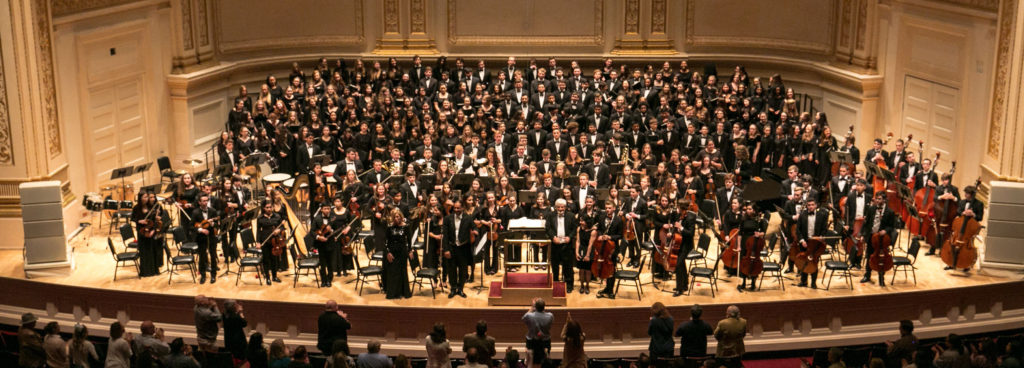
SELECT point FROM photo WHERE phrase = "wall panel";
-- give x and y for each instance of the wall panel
(258, 25)
(530, 22)
(715, 24)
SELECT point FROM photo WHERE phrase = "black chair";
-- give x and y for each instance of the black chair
(253, 264)
(163, 164)
(700, 254)
(771, 267)
(176, 262)
(907, 262)
(122, 259)
(128, 238)
(184, 245)
(630, 275)
(249, 242)
(118, 213)
(838, 266)
(363, 274)
(304, 264)
(706, 273)
(430, 274)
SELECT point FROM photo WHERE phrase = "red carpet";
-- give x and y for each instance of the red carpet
(526, 280)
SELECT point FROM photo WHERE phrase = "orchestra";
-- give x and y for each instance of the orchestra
(617, 179)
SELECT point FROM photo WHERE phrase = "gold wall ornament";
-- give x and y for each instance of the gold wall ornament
(391, 16)
(46, 77)
(632, 17)
(1007, 20)
(6, 144)
(68, 7)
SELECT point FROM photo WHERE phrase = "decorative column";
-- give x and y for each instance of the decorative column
(405, 28)
(191, 31)
(1004, 159)
(644, 29)
(31, 140)
(856, 33)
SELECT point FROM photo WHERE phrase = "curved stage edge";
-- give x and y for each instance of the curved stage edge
(613, 332)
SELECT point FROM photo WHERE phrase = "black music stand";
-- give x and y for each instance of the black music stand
(517, 183)
(121, 174)
(321, 159)
(572, 181)
(222, 170)
(427, 181)
(602, 195)
(141, 169)
(155, 188)
(462, 181)
(616, 168)
(486, 182)
(527, 196)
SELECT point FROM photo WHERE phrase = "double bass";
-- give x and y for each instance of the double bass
(945, 213)
(854, 244)
(881, 258)
(806, 259)
(959, 250)
(924, 200)
(892, 189)
(730, 254)
(878, 183)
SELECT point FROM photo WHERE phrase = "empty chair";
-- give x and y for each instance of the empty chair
(705, 273)
(630, 275)
(304, 264)
(363, 274)
(128, 237)
(166, 172)
(175, 262)
(184, 245)
(907, 261)
(123, 259)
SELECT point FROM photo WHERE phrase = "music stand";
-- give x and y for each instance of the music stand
(527, 196)
(222, 170)
(841, 157)
(616, 168)
(155, 188)
(517, 183)
(394, 180)
(572, 181)
(871, 168)
(122, 173)
(202, 174)
(427, 181)
(462, 180)
(651, 169)
(141, 169)
(602, 195)
(321, 159)
(486, 182)
(719, 179)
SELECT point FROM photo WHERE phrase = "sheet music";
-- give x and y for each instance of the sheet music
(524, 223)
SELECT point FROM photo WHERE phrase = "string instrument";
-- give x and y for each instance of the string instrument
(692, 196)
(924, 200)
(346, 244)
(881, 258)
(751, 264)
(669, 242)
(208, 224)
(492, 233)
(878, 183)
(850, 167)
(806, 258)
(945, 213)
(321, 192)
(730, 255)
(603, 265)
(277, 241)
(854, 244)
(151, 227)
(892, 191)
(959, 250)
(629, 230)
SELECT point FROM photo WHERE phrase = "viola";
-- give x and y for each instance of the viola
(881, 258)
(278, 243)
(751, 264)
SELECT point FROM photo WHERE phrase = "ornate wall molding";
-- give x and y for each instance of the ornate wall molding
(694, 40)
(986, 5)
(659, 10)
(202, 23)
(391, 16)
(417, 16)
(632, 17)
(186, 24)
(1007, 20)
(596, 39)
(68, 7)
(46, 77)
(6, 143)
(290, 42)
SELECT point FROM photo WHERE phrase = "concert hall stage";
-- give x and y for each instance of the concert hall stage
(941, 302)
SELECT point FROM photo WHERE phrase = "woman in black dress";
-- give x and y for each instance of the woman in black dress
(396, 258)
(234, 329)
(149, 218)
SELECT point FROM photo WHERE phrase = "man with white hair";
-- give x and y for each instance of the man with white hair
(561, 230)
(730, 333)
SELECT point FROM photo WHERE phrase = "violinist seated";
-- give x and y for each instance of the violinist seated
(881, 220)
(813, 222)
(609, 227)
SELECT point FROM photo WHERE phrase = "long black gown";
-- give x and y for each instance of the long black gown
(396, 272)
(151, 252)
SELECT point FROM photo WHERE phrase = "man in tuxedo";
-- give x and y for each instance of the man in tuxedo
(537, 138)
(350, 163)
(811, 224)
(841, 185)
(609, 227)
(561, 229)
(970, 207)
(205, 238)
(510, 67)
(858, 203)
(504, 82)
(635, 208)
(926, 176)
(377, 175)
(598, 171)
(306, 152)
(726, 193)
(411, 189)
(558, 146)
(897, 156)
(876, 153)
(416, 72)
(879, 220)
(457, 231)
(944, 191)
(791, 182)
(428, 82)
(482, 74)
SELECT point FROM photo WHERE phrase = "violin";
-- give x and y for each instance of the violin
(959, 250)
(881, 258)
(278, 243)
(208, 224)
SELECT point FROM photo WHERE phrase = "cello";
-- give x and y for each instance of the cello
(959, 250)
(603, 265)
(945, 213)
(924, 200)
(806, 259)
(669, 242)
(854, 243)
(878, 183)
(881, 258)
(892, 189)
(751, 265)
(731, 252)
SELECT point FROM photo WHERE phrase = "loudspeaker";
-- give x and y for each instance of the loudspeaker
(43, 220)
(1004, 241)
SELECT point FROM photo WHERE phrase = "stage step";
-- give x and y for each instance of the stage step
(519, 289)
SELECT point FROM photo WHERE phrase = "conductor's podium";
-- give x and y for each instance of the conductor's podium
(520, 288)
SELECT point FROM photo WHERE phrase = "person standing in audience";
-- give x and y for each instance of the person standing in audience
(206, 318)
(573, 337)
(835, 358)
(438, 348)
(901, 350)
(300, 358)
(332, 326)
(80, 349)
(660, 330)
(279, 356)
(373, 358)
(30, 345)
(693, 334)
(180, 356)
(255, 353)
(55, 346)
(472, 359)
(484, 344)
(151, 342)
(119, 348)
(951, 354)
(730, 333)
(234, 329)
(538, 333)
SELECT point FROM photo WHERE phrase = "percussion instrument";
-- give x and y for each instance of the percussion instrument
(92, 201)
(481, 161)
(276, 178)
(192, 162)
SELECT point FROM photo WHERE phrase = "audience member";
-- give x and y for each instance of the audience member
(835, 358)
(511, 359)
(730, 333)
(660, 330)
(402, 361)
(119, 348)
(55, 346)
(951, 354)
(30, 345)
(573, 338)
(923, 358)
(180, 355)
(206, 317)
(332, 325)
(279, 354)
(341, 357)
(438, 348)
(899, 352)
(80, 349)
(255, 353)
(538, 333)
(693, 334)
(300, 358)
(150, 344)
(472, 359)
(484, 344)
(373, 358)
(234, 329)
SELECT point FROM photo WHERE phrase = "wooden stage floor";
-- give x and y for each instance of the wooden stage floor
(95, 266)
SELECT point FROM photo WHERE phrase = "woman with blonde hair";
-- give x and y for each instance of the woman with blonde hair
(396, 258)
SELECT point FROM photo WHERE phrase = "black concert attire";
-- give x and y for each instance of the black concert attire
(877, 219)
(730, 220)
(207, 242)
(748, 226)
(150, 245)
(638, 207)
(562, 254)
(490, 251)
(508, 214)
(344, 260)
(457, 229)
(322, 226)
(811, 224)
(613, 228)
(396, 271)
(265, 227)
(659, 218)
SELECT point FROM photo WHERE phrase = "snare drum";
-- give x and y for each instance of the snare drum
(92, 201)
(276, 178)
